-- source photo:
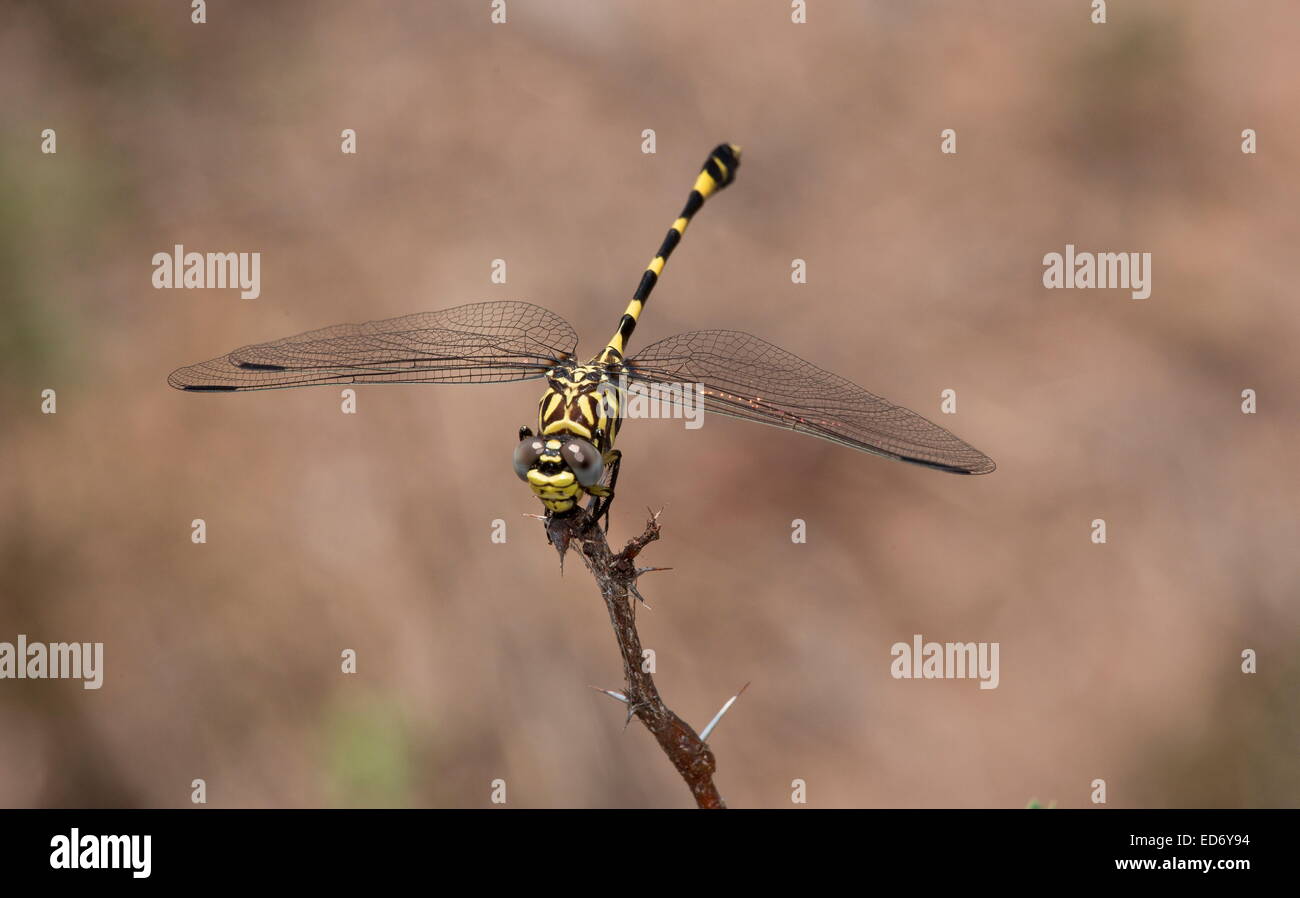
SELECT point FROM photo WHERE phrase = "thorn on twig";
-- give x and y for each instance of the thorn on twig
(617, 696)
(559, 533)
(631, 587)
(704, 735)
(631, 712)
(636, 593)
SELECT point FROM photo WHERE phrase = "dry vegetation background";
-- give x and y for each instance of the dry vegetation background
(522, 142)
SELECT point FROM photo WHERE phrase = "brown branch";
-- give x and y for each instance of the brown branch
(616, 574)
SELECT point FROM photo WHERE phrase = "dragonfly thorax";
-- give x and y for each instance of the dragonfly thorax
(583, 401)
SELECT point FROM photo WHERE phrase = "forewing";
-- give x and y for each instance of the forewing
(748, 378)
(487, 342)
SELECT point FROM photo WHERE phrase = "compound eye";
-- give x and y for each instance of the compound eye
(583, 460)
(526, 455)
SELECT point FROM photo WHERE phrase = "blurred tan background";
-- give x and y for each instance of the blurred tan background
(522, 141)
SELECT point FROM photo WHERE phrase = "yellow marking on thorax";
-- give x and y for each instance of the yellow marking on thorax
(567, 425)
(553, 403)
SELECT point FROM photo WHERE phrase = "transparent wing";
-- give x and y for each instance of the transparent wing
(748, 378)
(486, 342)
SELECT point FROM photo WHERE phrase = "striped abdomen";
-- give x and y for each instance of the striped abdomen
(719, 170)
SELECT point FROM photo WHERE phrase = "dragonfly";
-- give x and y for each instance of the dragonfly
(571, 454)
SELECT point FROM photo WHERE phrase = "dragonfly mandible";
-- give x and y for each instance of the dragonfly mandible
(571, 455)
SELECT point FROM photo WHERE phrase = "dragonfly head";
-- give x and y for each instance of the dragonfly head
(558, 469)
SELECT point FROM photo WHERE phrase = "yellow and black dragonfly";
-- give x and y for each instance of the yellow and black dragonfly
(572, 454)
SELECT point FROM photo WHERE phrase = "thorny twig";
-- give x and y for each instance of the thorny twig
(616, 574)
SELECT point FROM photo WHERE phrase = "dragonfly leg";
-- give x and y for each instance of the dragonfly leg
(524, 433)
(614, 459)
(605, 494)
